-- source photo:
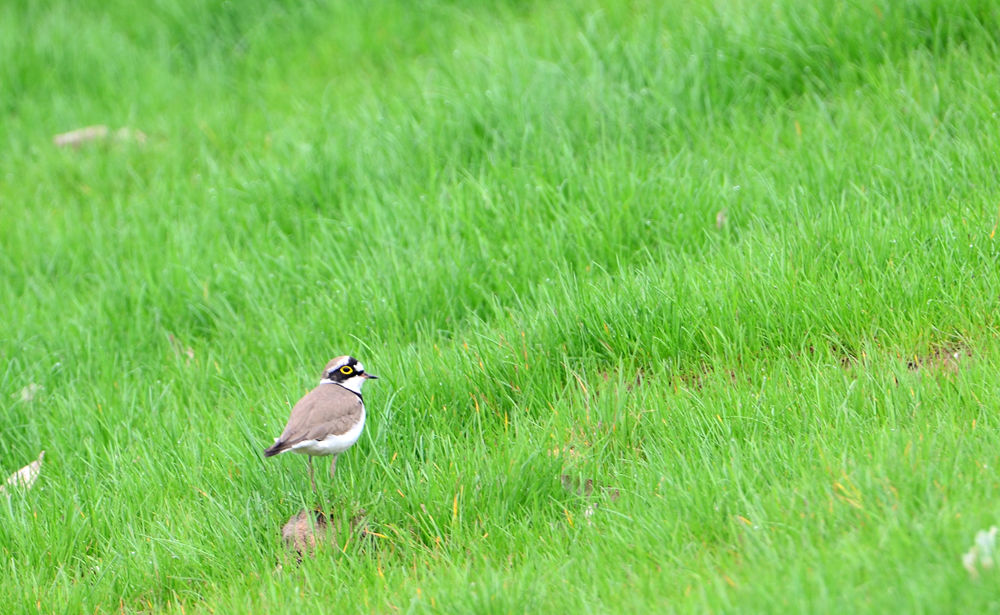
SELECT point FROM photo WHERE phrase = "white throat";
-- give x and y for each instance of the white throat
(352, 384)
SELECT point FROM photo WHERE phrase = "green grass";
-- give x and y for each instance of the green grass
(509, 214)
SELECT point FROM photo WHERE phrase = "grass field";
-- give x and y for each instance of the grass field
(677, 306)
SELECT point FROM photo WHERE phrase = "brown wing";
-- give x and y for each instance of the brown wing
(328, 409)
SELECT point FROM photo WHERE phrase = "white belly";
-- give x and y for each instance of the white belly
(331, 445)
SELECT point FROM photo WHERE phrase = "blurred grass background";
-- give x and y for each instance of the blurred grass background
(733, 262)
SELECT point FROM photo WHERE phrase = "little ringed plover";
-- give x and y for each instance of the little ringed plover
(329, 419)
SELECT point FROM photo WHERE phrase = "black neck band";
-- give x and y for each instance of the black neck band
(347, 389)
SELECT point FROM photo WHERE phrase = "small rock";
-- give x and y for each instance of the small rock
(29, 392)
(76, 138)
(25, 477)
(308, 530)
(98, 132)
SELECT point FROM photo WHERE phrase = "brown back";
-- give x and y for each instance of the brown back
(329, 409)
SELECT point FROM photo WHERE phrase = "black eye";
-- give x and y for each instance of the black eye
(347, 370)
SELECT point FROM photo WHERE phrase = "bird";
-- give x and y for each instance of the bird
(329, 419)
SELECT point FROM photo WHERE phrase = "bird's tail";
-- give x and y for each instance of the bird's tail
(277, 447)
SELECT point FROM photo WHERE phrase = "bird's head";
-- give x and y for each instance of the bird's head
(347, 372)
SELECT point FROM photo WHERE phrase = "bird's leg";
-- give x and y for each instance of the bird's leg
(311, 479)
(333, 466)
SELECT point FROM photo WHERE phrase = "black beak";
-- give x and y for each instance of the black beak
(371, 376)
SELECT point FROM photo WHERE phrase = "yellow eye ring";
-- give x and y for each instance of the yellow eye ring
(347, 370)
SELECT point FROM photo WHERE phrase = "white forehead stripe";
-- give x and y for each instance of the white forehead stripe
(342, 362)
